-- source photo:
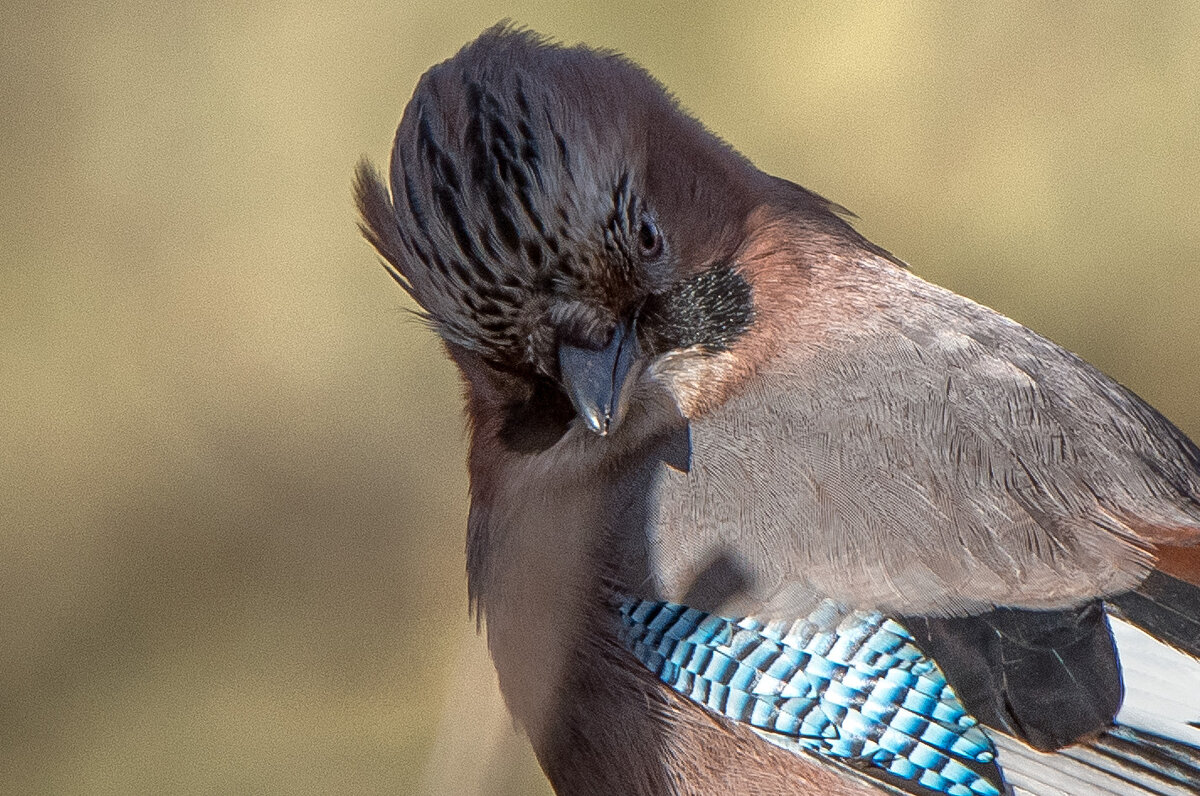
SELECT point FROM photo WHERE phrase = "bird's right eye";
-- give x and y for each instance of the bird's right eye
(650, 238)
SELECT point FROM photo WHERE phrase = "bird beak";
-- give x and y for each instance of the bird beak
(594, 378)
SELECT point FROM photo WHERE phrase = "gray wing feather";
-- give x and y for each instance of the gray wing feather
(922, 454)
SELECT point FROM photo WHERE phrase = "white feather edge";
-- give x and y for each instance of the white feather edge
(1162, 695)
(1162, 684)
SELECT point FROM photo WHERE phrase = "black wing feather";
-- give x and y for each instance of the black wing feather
(1050, 678)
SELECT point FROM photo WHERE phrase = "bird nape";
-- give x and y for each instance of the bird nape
(753, 508)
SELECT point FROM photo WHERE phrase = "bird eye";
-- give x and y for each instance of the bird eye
(650, 239)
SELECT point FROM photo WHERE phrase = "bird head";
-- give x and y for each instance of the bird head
(569, 231)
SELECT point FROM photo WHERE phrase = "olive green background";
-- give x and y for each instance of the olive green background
(232, 495)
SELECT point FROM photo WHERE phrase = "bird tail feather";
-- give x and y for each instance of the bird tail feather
(1108, 766)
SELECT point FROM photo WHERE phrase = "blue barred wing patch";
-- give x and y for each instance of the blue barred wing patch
(847, 684)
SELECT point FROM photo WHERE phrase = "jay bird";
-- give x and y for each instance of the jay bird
(754, 509)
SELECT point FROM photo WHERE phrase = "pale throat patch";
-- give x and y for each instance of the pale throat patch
(698, 380)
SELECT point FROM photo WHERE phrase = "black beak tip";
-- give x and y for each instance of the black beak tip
(594, 378)
(596, 420)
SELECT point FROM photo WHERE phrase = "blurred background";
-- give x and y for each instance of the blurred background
(232, 494)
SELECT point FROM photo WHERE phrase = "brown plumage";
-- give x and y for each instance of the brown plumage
(688, 380)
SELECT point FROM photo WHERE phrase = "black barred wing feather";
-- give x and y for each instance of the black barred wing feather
(844, 684)
(1085, 701)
